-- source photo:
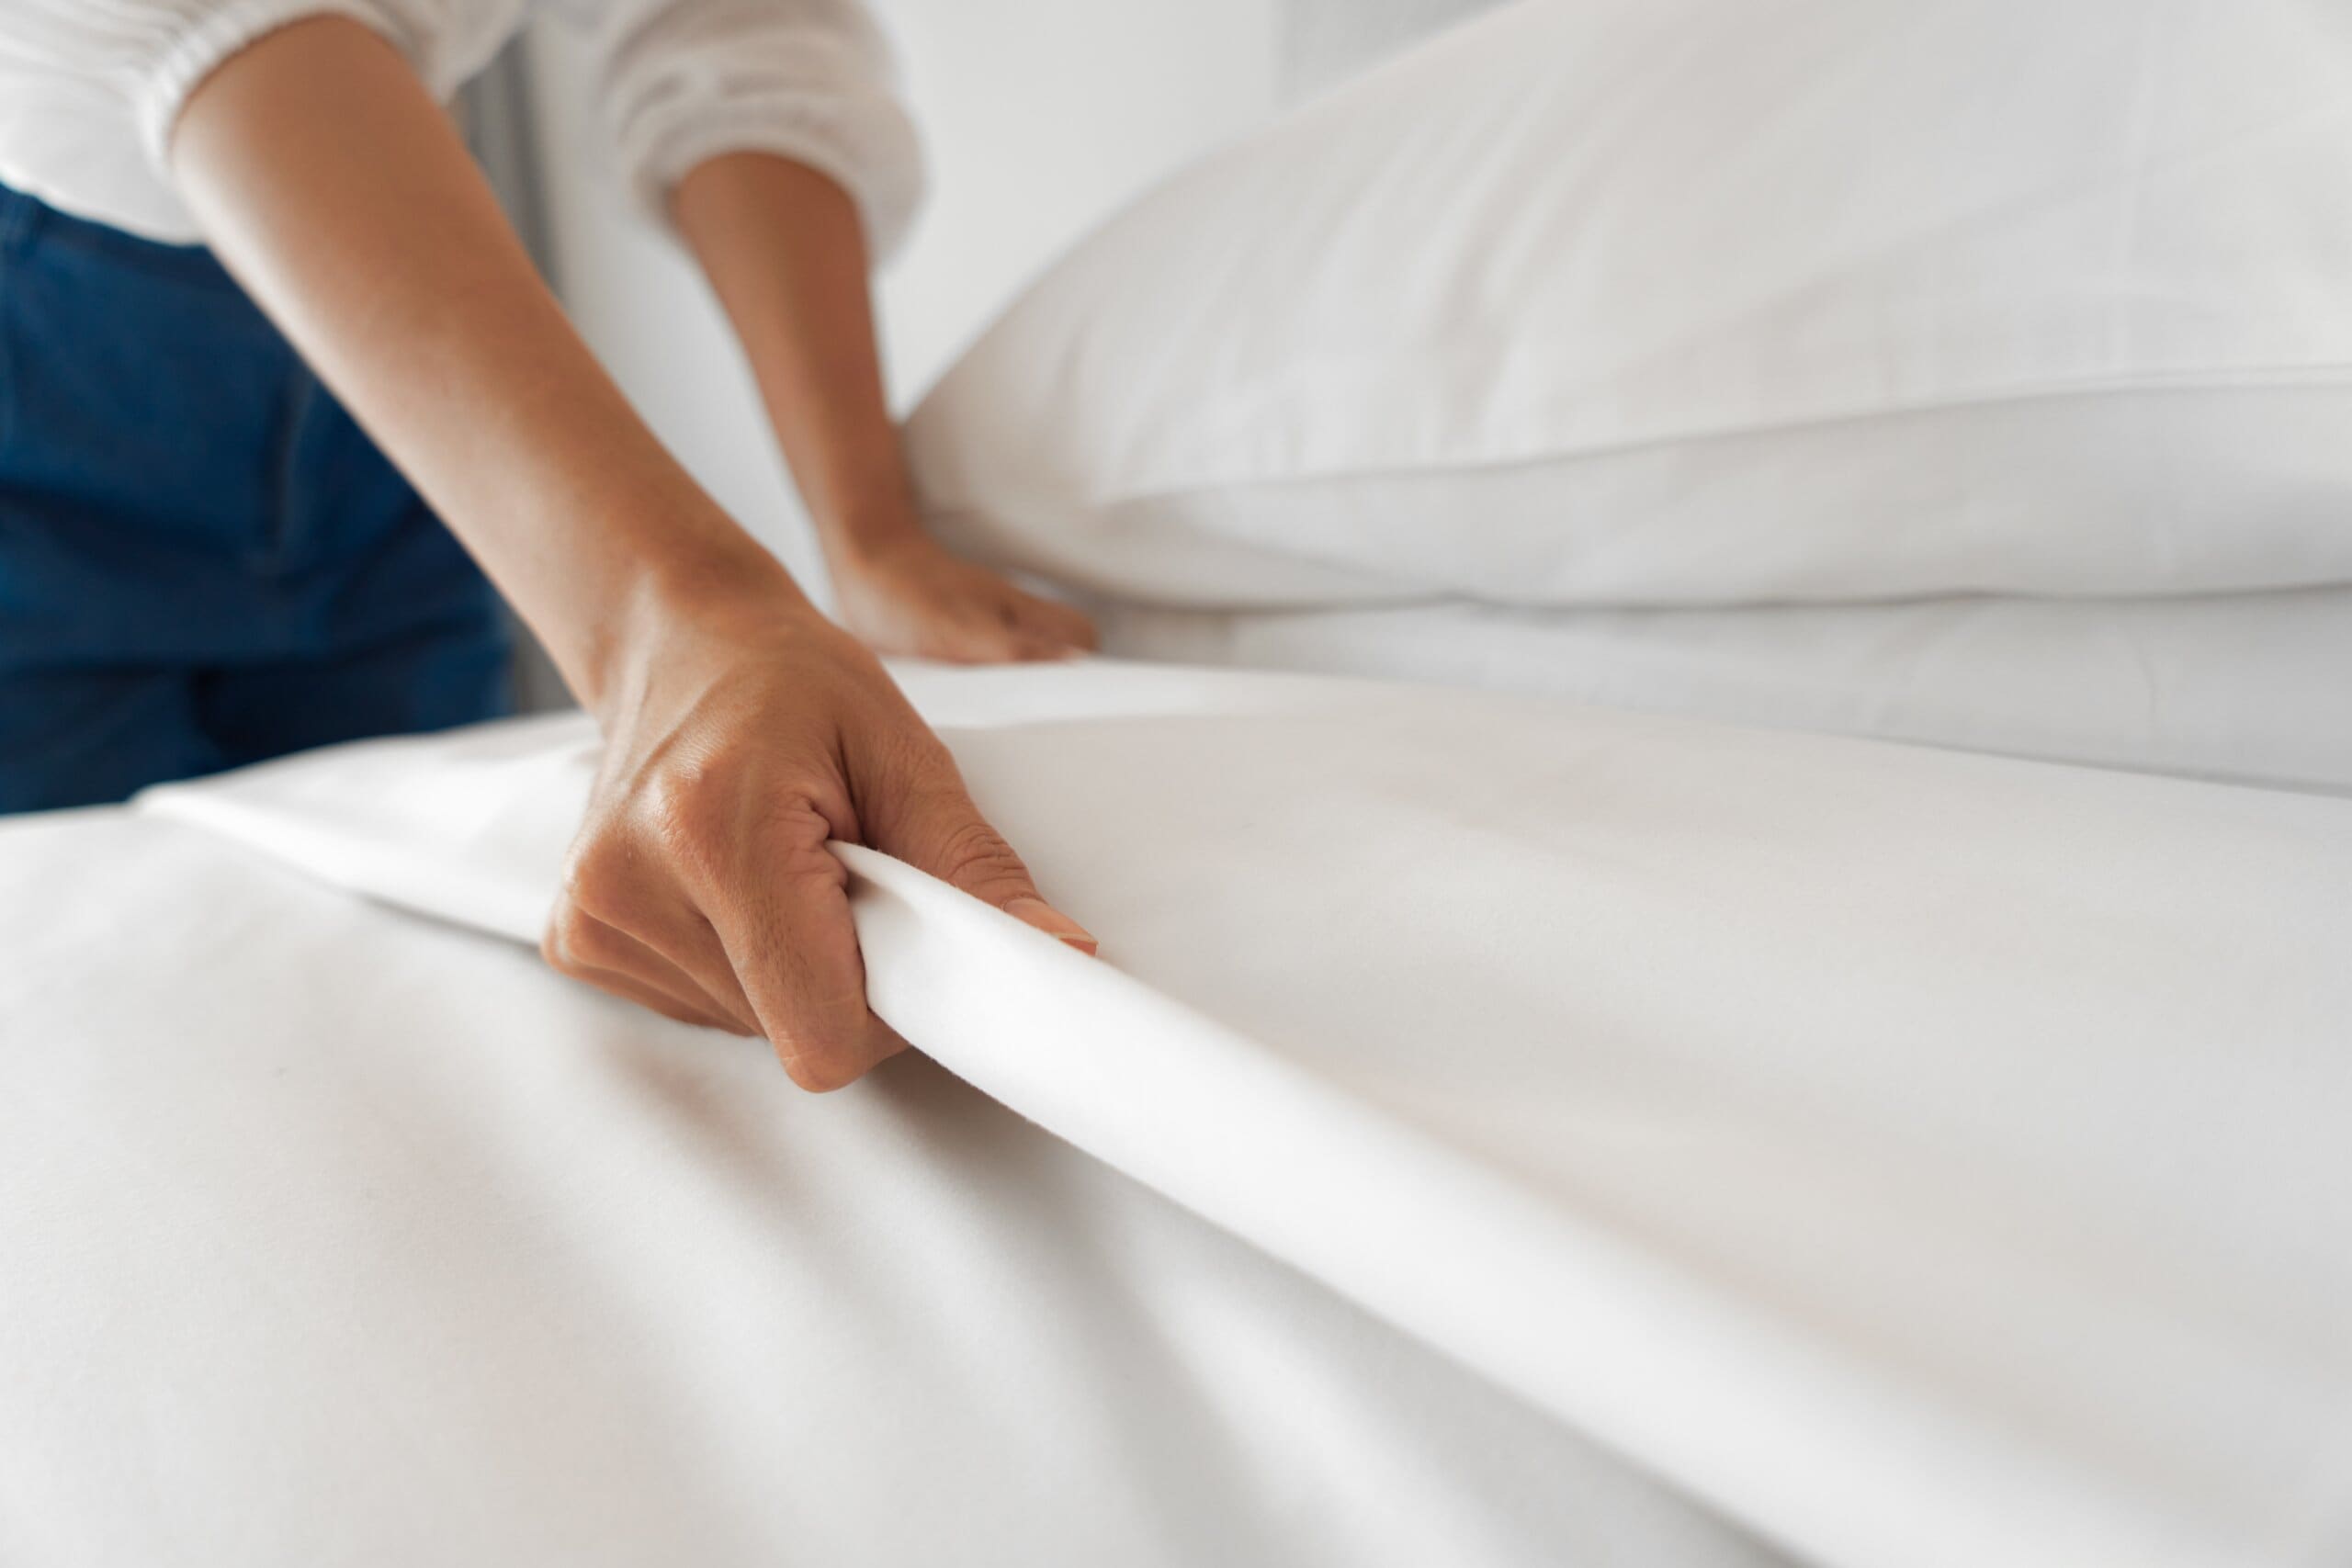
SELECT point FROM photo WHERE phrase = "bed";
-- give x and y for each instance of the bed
(330, 1233)
(1496, 1132)
(1498, 1129)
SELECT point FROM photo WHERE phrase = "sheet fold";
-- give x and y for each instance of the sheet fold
(1923, 1159)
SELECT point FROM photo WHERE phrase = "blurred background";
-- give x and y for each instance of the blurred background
(1000, 91)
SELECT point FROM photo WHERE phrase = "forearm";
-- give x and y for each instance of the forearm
(783, 247)
(329, 181)
(743, 734)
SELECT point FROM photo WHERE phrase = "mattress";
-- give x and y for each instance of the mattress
(1496, 1132)
(333, 1235)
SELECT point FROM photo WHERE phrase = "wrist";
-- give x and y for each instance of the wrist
(861, 539)
(681, 600)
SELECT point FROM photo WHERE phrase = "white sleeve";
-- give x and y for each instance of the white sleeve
(683, 81)
(150, 54)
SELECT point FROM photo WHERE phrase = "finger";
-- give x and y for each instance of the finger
(786, 930)
(610, 911)
(1018, 645)
(1048, 620)
(977, 635)
(671, 938)
(1062, 623)
(654, 998)
(930, 822)
(1034, 648)
(1011, 632)
(699, 971)
(989, 643)
(580, 946)
(1030, 628)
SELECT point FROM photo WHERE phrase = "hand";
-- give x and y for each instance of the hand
(783, 245)
(912, 597)
(741, 738)
(742, 731)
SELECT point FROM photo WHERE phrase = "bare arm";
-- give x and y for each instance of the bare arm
(783, 247)
(342, 197)
(743, 730)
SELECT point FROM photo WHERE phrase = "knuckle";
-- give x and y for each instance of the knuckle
(713, 818)
(579, 945)
(684, 806)
(566, 942)
(597, 880)
(794, 822)
(593, 943)
(975, 853)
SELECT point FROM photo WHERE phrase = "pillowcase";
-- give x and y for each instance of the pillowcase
(1326, 41)
(1707, 302)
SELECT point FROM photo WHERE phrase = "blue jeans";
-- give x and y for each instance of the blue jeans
(203, 560)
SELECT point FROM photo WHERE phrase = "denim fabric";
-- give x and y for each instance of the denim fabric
(203, 560)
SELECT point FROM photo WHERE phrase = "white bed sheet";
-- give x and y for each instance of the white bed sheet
(1918, 1159)
(334, 1236)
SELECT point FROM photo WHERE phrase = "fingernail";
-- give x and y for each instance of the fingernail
(1052, 922)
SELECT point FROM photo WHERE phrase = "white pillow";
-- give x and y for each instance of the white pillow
(1326, 41)
(1708, 302)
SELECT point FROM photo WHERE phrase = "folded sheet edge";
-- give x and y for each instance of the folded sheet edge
(1559, 1311)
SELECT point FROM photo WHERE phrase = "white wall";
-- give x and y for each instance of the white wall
(1039, 116)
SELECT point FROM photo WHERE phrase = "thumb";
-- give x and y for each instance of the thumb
(934, 827)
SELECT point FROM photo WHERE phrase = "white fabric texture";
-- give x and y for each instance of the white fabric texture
(329, 1235)
(1920, 1159)
(89, 91)
(2243, 687)
(1652, 302)
(1326, 41)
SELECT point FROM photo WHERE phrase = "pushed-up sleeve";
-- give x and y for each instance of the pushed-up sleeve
(149, 55)
(684, 81)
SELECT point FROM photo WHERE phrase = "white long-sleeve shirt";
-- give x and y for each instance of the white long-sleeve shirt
(89, 90)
